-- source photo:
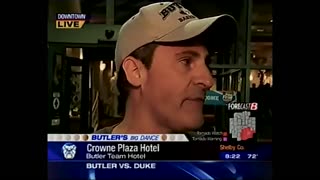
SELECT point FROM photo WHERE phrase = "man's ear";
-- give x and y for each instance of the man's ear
(134, 70)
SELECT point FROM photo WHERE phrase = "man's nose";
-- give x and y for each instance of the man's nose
(204, 79)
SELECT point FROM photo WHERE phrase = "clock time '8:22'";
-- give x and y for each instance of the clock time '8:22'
(232, 156)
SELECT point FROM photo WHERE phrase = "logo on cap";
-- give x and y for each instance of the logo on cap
(165, 12)
(185, 12)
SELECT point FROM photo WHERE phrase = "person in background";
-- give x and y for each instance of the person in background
(114, 96)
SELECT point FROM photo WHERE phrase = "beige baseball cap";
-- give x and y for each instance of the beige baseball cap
(168, 22)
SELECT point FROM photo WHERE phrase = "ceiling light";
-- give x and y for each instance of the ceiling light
(271, 20)
(102, 66)
(251, 77)
(260, 30)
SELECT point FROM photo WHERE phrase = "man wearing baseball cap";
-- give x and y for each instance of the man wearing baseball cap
(161, 59)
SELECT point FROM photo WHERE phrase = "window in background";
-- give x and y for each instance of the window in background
(261, 53)
(261, 34)
(261, 78)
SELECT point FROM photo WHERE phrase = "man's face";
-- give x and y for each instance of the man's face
(175, 86)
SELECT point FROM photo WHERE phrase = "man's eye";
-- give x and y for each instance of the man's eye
(186, 61)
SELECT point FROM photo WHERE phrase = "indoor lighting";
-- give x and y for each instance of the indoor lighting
(251, 77)
(271, 20)
(111, 69)
(81, 54)
(260, 30)
(102, 66)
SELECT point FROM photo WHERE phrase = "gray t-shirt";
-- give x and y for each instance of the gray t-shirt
(106, 130)
(109, 129)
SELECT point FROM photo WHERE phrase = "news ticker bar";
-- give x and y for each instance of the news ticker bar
(156, 170)
(117, 137)
(96, 151)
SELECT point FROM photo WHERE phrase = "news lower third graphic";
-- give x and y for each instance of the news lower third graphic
(242, 126)
(201, 170)
(80, 147)
(124, 156)
(115, 147)
(69, 150)
(117, 137)
(239, 156)
(70, 21)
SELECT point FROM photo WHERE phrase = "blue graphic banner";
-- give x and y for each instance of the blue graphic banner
(204, 170)
(244, 155)
(70, 160)
(81, 151)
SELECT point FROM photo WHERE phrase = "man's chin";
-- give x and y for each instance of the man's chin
(190, 124)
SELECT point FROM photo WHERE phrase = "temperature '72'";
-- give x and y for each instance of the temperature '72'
(252, 156)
